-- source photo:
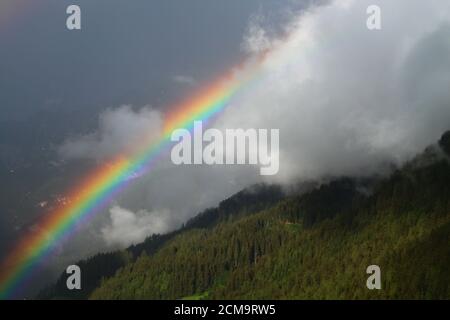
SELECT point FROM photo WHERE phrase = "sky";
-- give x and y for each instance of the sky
(347, 100)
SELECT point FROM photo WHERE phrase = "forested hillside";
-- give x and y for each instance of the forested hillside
(103, 265)
(310, 245)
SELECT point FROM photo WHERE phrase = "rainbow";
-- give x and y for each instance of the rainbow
(99, 187)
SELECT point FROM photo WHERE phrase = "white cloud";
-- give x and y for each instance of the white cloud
(348, 100)
(256, 38)
(126, 227)
(120, 130)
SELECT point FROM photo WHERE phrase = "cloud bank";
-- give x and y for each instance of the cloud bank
(348, 100)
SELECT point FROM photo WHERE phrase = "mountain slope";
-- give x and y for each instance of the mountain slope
(314, 245)
(104, 265)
